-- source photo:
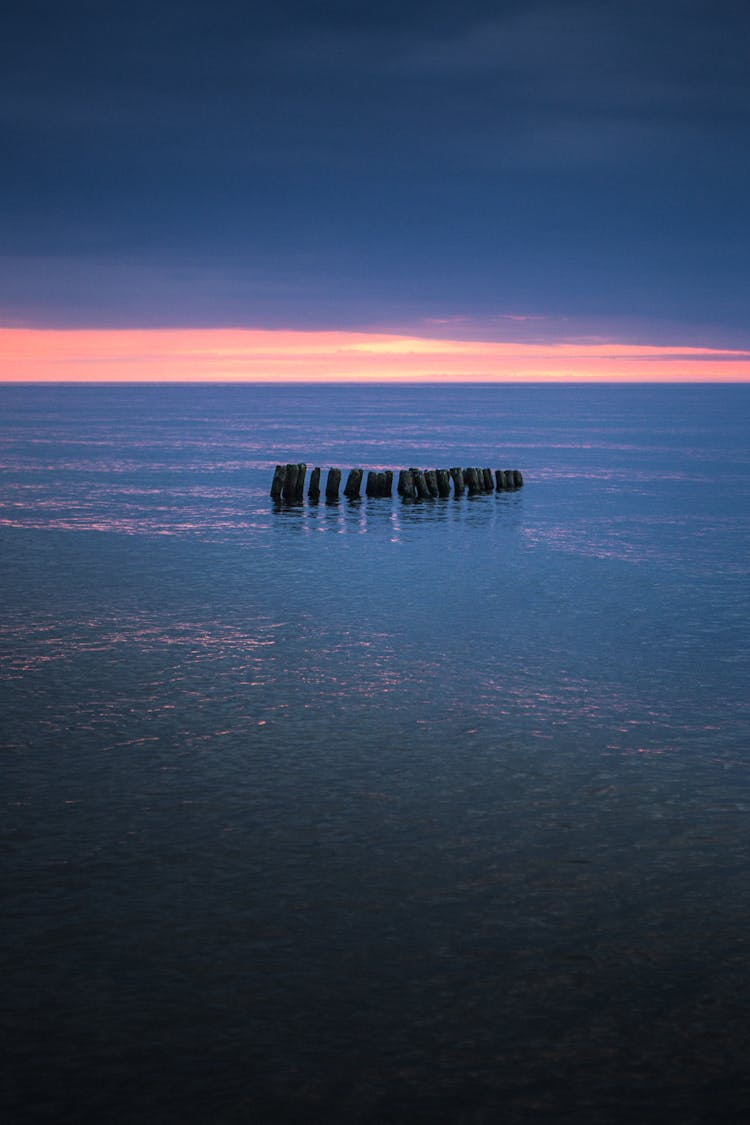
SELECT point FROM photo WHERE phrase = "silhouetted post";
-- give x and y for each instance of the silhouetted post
(472, 481)
(377, 483)
(489, 484)
(289, 492)
(430, 477)
(405, 485)
(299, 492)
(458, 481)
(278, 482)
(443, 483)
(499, 480)
(314, 490)
(332, 484)
(420, 484)
(388, 482)
(353, 482)
(517, 478)
(371, 488)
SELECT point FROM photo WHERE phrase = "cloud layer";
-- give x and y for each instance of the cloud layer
(346, 165)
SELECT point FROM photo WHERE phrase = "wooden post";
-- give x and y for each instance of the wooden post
(443, 483)
(430, 477)
(314, 490)
(472, 481)
(278, 482)
(371, 488)
(420, 484)
(458, 481)
(289, 492)
(405, 486)
(299, 492)
(517, 478)
(489, 484)
(388, 482)
(353, 482)
(332, 484)
(499, 480)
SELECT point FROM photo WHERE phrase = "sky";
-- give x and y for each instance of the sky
(221, 189)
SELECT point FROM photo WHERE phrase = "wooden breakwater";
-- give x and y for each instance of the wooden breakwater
(288, 485)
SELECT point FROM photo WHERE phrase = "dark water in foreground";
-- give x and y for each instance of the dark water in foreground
(375, 813)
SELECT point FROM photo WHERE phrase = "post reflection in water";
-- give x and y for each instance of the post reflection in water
(347, 516)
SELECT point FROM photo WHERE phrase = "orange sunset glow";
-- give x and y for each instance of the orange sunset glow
(255, 355)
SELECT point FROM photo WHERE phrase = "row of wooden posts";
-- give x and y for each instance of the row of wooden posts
(413, 484)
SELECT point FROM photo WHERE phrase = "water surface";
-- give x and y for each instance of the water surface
(375, 812)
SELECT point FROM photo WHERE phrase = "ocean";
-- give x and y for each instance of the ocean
(372, 811)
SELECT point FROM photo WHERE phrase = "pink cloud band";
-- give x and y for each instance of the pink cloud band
(257, 355)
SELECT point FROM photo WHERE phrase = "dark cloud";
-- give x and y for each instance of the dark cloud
(343, 162)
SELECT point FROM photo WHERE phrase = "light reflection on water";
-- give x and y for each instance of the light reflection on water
(373, 811)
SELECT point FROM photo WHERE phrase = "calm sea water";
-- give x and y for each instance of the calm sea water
(373, 812)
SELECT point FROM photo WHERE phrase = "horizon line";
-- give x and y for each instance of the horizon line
(467, 382)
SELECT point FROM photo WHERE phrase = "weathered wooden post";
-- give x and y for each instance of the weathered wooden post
(458, 481)
(405, 487)
(420, 484)
(371, 488)
(499, 480)
(430, 477)
(443, 483)
(517, 478)
(314, 490)
(353, 482)
(289, 491)
(472, 481)
(333, 482)
(299, 492)
(278, 482)
(489, 484)
(388, 482)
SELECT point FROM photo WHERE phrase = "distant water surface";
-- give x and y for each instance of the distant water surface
(375, 812)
